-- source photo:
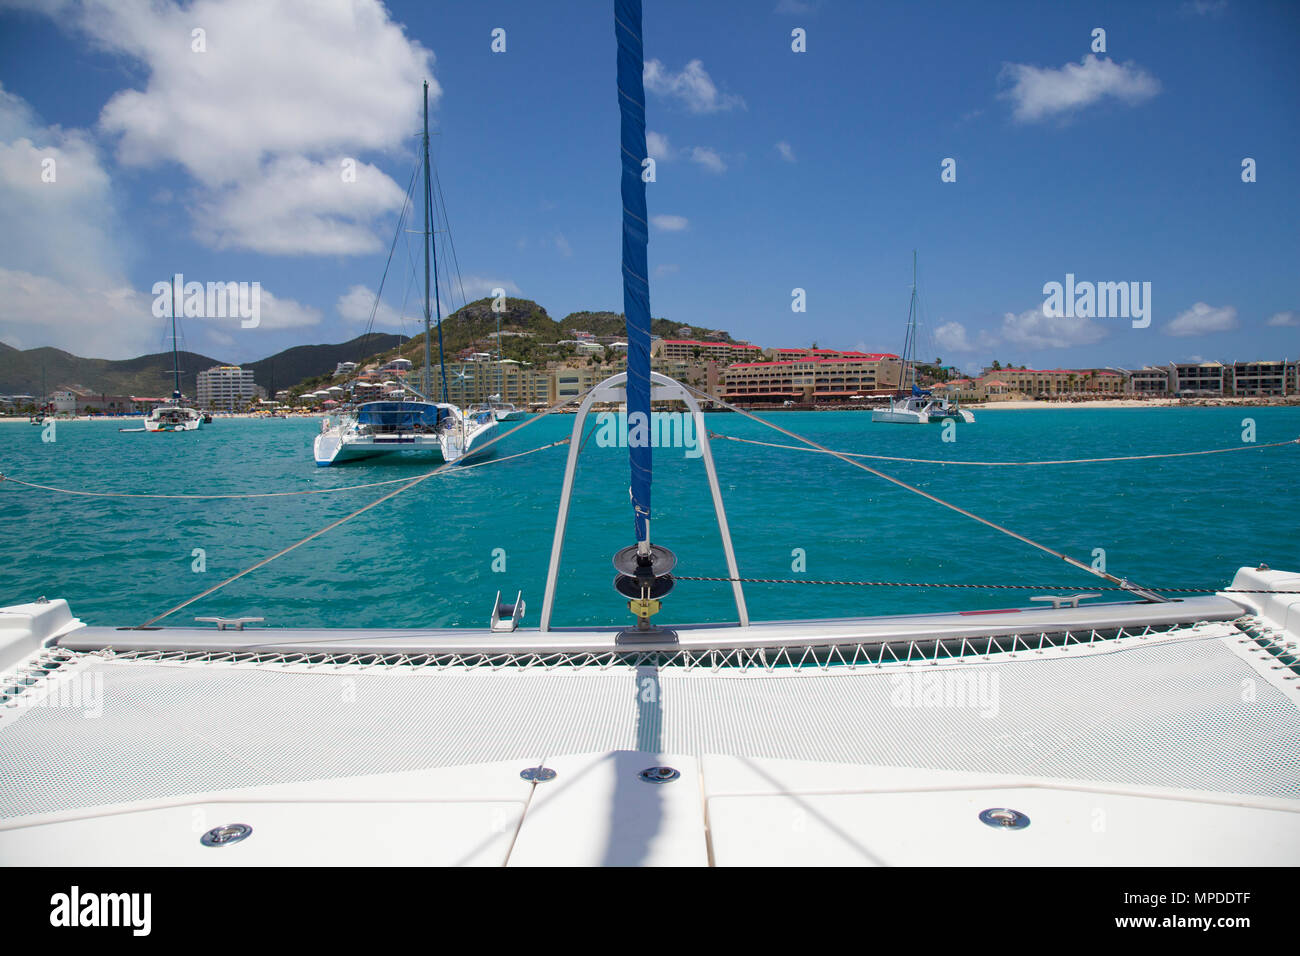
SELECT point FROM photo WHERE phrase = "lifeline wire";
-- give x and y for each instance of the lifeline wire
(998, 464)
(364, 508)
(1141, 592)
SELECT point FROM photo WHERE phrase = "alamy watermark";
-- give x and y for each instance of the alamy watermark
(213, 300)
(947, 689)
(1098, 300)
(659, 430)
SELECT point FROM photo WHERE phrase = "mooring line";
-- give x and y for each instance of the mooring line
(1004, 464)
(981, 587)
(1073, 562)
(272, 494)
(362, 510)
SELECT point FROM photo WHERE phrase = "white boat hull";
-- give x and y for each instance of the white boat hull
(336, 445)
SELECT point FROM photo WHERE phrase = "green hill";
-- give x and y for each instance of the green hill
(21, 370)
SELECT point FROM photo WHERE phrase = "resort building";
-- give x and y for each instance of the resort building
(1260, 378)
(811, 380)
(226, 388)
(1202, 378)
(1051, 383)
(691, 350)
(473, 383)
(795, 355)
(1151, 381)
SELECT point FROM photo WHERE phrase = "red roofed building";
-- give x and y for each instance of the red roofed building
(690, 350)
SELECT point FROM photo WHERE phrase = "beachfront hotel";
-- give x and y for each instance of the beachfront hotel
(687, 350)
(830, 377)
(227, 388)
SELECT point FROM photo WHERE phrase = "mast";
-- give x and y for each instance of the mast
(909, 343)
(636, 286)
(430, 250)
(176, 363)
(428, 238)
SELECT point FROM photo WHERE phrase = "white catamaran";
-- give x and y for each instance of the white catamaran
(437, 430)
(998, 737)
(173, 415)
(916, 406)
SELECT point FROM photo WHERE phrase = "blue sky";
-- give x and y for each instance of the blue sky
(776, 170)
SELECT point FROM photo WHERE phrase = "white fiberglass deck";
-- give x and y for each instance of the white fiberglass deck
(1171, 747)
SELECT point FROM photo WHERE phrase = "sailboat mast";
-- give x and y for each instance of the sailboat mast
(428, 239)
(176, 363)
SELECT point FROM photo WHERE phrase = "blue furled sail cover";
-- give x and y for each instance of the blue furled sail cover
(636, 286)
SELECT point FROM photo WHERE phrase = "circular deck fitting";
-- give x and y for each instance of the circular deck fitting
(627, 586)
(661, 560)
(538, 774)
(659, 774)
(226, 835)
(1000, 818)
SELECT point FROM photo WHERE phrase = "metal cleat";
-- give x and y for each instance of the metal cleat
(1063, 600)
(230, 623)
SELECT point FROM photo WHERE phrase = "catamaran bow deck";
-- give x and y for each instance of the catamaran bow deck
(870, 742)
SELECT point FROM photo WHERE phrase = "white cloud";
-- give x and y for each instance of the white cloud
(657, 146)
(105, 321)
(63, 282)
(1201, 319)
(1040, 93)
(280, 313)
(670, 223)
(709, 159)
(692, 87)
(281, 87)
(1285, 319)
(786, 151)
(295, 206)
(1033, 329)
(952, 337)
(356, 304)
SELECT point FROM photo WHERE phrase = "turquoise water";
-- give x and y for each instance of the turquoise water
(426, 558)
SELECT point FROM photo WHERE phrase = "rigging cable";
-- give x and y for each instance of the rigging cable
(1001, 464)
(362, 510)
(1074, 562)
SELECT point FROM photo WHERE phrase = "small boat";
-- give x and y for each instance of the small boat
(439, 430)
(918, 407)
(172, 418)
(174, 415)
(501, 411)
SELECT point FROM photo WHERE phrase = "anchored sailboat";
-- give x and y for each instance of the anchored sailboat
(914, 405)
(174, 415)
(437, 430)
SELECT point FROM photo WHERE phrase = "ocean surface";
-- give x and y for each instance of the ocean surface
(437, 554)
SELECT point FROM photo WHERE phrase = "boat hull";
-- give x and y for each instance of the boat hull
(332, 448)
